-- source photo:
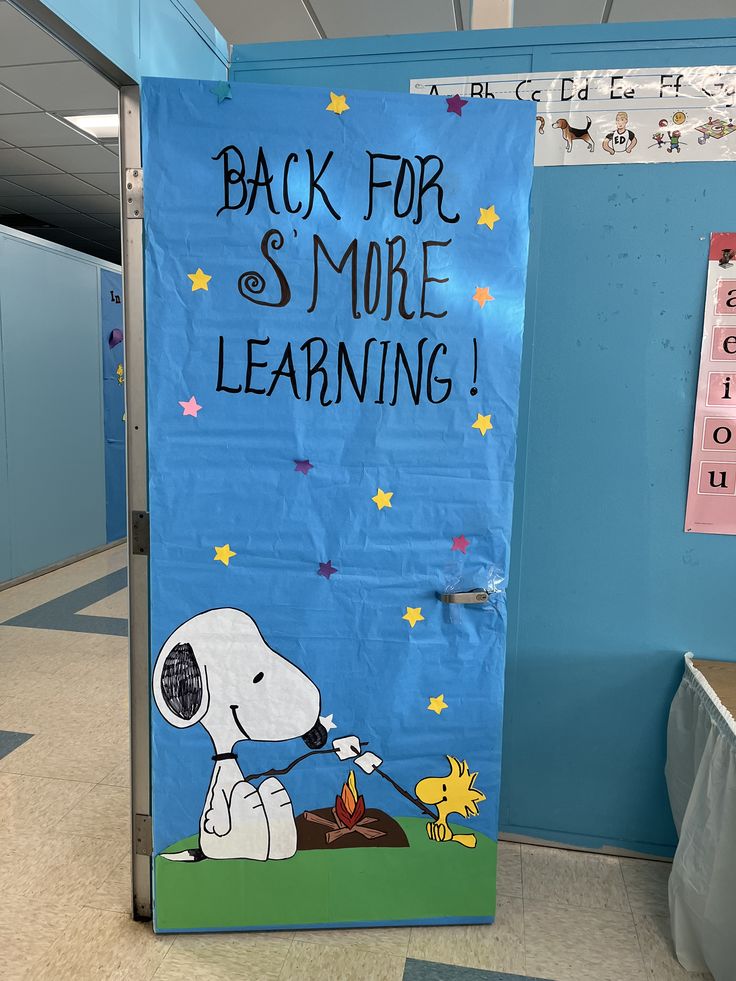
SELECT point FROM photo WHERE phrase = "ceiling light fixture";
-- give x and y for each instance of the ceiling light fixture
(103, 126)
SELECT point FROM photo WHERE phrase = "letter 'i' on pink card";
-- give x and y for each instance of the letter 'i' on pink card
(723, 344)
(711, 497)
(721, 389)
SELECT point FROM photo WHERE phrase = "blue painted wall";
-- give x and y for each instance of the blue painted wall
(606, 590)
(149, 37)
(52, 460)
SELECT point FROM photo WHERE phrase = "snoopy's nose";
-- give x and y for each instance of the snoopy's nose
(316, 737)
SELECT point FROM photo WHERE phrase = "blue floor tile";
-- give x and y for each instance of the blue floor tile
(430, 971)
(12, 740)
(63, 613)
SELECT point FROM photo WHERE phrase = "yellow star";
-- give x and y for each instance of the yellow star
(437, 704)
(482, 295)
(338, 104)
(199, 280)
(488, 216)
(223, 554)
(383, 499)
(483, 423)
(413, 615)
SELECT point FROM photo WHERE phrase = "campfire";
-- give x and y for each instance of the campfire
(348, 814)
(348, 824)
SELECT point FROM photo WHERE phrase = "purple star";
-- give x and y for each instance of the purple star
(455, 104)
(303, 466)
(326, 569)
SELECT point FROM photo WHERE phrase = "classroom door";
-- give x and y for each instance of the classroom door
(334, 307)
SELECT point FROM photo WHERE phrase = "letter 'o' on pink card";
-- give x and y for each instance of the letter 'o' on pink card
(723, 344)
(721, 389)
(719, 434)
(726, 297)
(717, 478)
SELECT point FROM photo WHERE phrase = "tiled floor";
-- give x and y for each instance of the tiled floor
(562, 916)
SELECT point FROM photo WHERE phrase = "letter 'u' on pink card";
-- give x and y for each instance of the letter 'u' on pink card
(719, 434)
(723, 344)
(726, 297)
(717, 478)
(721, 389)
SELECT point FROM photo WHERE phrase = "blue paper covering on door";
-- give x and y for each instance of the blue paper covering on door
(334, 308)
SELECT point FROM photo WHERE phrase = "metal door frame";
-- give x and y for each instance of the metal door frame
(136, 445)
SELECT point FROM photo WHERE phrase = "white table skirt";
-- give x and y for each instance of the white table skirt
(701, 779)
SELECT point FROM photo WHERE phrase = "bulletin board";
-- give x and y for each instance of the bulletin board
(606, 589)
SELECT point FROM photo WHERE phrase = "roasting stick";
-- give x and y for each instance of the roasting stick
(324, 752)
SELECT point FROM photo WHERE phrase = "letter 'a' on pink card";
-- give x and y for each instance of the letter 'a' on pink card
(723, 344)
(726, 297)
(717, 478)
(719, 433)
(721, 390)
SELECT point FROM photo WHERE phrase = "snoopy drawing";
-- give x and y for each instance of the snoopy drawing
(217, 670)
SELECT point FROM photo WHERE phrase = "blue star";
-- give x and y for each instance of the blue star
(222, 91)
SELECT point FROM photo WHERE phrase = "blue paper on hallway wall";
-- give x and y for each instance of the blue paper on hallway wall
(113, 398)
(334, 308)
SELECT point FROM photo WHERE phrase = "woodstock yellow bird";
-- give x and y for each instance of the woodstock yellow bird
(453, 794)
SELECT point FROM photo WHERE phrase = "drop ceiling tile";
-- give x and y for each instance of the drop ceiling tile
(69, 239)
(9, 187)
(625, 10)
(54, 184)
(18, 162)
(340, 19)
(91, 204)
(49, 210)
(110, 183)
(29, 129)
(70, 86)
(24, 43)
(87, 226)
(89, 159)
(244, 22)
(10, 102)
(532, 13)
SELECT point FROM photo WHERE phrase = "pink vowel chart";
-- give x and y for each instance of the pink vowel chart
(711, 497)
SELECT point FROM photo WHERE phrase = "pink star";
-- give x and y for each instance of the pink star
(455, 104)
(460, 544)
(326, 569)
(303, 466)
(190, 408)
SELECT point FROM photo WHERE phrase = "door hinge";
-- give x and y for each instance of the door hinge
(140, 532)
(143, 834)
(134, 192)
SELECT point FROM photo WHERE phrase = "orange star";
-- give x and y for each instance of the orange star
(482, 295)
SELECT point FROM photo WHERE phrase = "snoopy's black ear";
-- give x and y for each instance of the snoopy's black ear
(180, 686)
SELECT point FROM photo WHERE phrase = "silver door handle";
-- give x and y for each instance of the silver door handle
(471, 596)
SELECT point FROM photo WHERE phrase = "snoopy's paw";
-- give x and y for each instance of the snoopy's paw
(216, 821)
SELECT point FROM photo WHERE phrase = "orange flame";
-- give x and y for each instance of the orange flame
(349, 793)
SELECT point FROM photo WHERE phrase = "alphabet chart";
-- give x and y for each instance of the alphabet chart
(711, 500)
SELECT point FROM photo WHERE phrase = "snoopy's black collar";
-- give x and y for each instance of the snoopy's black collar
(224, 756)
